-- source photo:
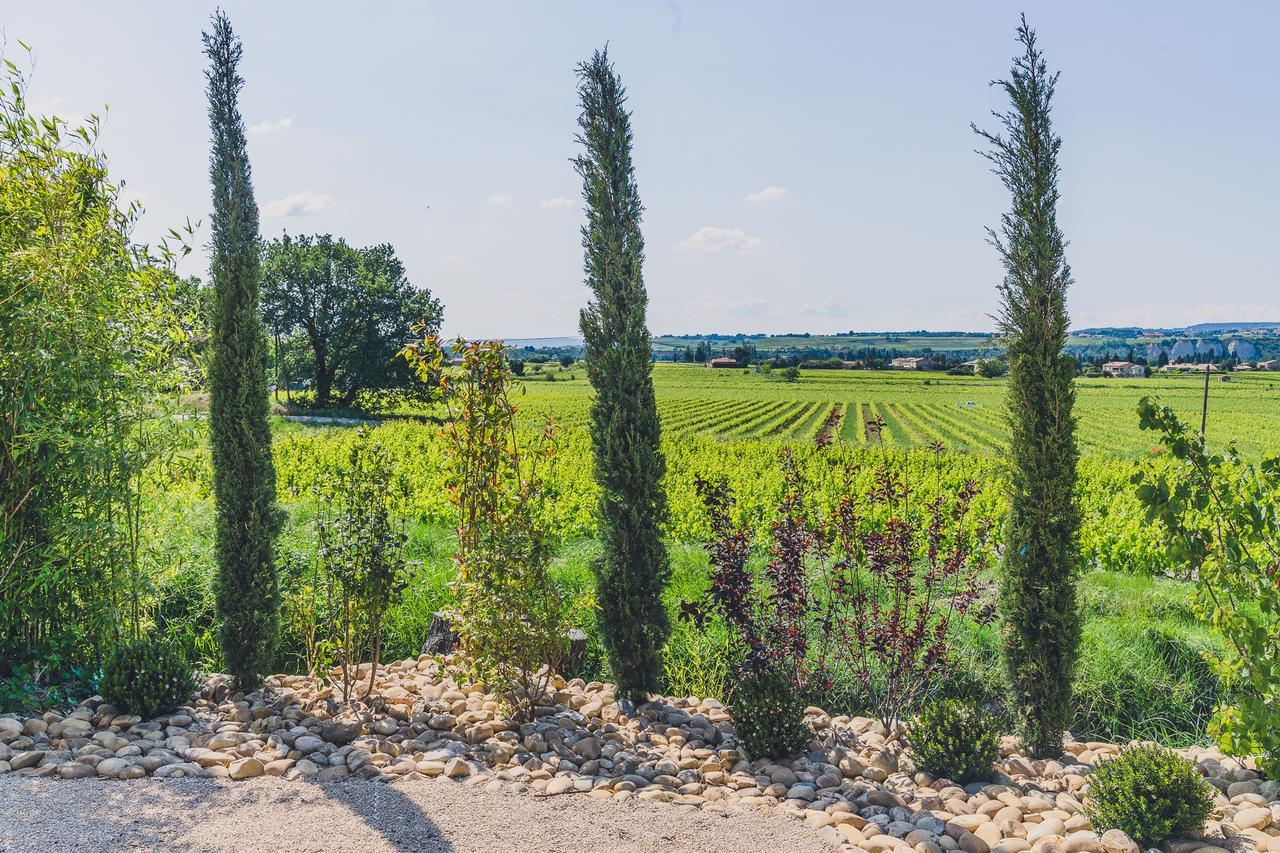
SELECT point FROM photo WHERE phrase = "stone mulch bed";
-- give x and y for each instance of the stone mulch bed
(856, 787)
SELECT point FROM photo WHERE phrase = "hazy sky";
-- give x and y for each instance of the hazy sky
(805, 166)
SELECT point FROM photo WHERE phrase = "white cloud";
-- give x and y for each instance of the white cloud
(1164, 316)
(766, 194)
(718, 303)
(558, 203)
(263, 128)
(829, 307)
(712, 239)
(500, 199)
(60, 107)
(305, 203)
(454, 261)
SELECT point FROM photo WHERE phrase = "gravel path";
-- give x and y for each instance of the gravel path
(431, 816)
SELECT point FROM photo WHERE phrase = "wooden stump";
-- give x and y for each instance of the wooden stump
(441, 639)
(577, 650)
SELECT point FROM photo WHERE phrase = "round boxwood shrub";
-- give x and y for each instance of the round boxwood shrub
(147, 677)
(768, 714)
(1149, 793)
(955, 740)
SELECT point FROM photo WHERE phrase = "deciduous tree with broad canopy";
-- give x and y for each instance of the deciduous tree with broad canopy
(351, 309)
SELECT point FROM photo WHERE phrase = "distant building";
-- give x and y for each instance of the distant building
(910, 363)
(1123, 369)
(1189, 368)
(973, 364)
(1269, 364)
(722, 362)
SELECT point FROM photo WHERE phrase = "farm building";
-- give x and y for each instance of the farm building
(1124, 369)
(910, 363)
(722, 362)
(1269, 364)
(1189, 368)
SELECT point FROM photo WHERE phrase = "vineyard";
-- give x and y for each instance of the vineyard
(944, 430)
(274, 522)
(731, 424)
(964, 413)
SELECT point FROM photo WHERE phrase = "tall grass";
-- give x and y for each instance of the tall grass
(1142, 672)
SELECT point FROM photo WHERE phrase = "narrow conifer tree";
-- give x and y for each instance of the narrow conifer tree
(633, 569)
(244, 479)
(1038, 587)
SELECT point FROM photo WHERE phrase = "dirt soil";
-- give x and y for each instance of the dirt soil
(431, 816)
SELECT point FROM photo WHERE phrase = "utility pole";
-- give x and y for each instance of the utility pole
(1204, 407)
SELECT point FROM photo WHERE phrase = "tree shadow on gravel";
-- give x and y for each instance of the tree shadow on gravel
(209, 815)
(390, 813)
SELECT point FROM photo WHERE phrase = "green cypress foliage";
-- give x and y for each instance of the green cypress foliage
(1038, 587)
(633, 569)
(244, 480)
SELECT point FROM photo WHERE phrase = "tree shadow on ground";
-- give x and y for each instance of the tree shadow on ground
(212, 815)
(390, 812)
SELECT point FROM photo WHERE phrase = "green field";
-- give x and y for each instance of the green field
(1142, 672)
(963, 412)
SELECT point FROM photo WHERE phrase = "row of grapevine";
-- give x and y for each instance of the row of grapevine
(1114, 536)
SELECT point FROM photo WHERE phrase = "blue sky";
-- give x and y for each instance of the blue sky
(805, 166)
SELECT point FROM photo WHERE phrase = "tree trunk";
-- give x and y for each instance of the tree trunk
(324, 386)
(324, 373)
(441, 639)
(349, 397)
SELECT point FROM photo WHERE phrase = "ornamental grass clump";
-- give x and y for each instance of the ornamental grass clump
(956, 741)
(1149, 793)
(147, 677)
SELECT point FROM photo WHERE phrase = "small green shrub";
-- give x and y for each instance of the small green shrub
(768, 715)
(510, 615)
(1149, 793)
(955, 740)
(1222, 518)
(147, 677)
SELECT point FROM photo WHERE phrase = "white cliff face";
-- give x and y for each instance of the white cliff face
(1243, 350)
(1204, 347)
(1209, 347)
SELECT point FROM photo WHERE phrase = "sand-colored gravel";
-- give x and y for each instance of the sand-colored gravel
(426, 815)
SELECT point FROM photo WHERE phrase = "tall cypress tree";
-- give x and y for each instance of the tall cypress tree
(244, 480)
(1038, 588)
(633, 569)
